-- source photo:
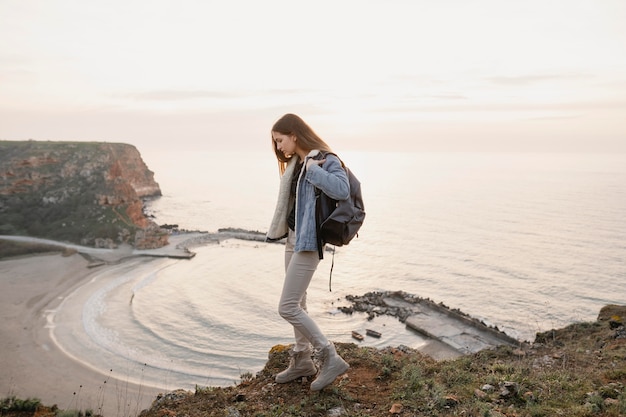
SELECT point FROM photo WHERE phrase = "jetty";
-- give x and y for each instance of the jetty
(178, 247)
(450, 333)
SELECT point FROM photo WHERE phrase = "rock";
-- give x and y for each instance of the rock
(232, 412)
(612, 312)
(480, 394)
(519, 352)
(529, 396)
(152, 237)
(615, 322)
(336, 412)
(508, 389)
(543, 362)
(172, 397)
(104, 243)
(451, 401)
(396, 408)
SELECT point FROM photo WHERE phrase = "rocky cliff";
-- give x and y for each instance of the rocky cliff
(89, 193)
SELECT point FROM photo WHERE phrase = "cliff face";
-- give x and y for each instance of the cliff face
(83, 192)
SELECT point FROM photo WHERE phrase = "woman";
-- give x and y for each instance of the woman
(296, 147)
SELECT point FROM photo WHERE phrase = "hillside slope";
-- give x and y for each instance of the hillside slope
(576, 371)
(88, 193)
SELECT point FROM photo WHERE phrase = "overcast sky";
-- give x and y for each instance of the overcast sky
(393, 75)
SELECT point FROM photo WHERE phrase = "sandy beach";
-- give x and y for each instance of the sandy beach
(32, 364)
(39, 292)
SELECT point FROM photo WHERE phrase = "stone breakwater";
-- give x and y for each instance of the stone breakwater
(377, 304)
(191, 239)
(178, 247)
(451, 332)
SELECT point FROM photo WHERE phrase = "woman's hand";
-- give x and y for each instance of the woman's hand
(312, 161)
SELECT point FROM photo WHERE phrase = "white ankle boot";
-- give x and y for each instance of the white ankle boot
(332, 366)
(300, 364)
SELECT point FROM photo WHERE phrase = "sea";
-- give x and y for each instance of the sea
(527, 242)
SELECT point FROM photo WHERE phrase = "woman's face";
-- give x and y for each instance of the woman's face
(285, 143)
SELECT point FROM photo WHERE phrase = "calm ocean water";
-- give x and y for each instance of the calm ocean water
(526, 242)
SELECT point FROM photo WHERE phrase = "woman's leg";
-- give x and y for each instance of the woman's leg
(300, 267)
(302, 343)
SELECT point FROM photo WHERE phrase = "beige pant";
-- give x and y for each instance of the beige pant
(299, 269)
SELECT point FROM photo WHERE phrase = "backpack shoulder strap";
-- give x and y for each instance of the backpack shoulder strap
(322, 155)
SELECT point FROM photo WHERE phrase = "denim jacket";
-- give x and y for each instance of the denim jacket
(331, 178)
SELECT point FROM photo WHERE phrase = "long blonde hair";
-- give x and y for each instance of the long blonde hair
(290, 124)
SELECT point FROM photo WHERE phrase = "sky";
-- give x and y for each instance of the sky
(393, 75)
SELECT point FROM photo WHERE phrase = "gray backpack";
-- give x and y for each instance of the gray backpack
(339, 221)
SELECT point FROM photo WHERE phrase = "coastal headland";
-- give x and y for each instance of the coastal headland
(88, 193)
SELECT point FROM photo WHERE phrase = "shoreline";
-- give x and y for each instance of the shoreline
(49, 291)
(35, 287)
(33, 365)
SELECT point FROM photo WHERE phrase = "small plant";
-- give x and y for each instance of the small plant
(15, 404)
(246, 377)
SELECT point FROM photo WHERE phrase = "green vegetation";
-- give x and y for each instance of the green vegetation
(70, 191)
(11, 404)
(579, 371)
(78, 219)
